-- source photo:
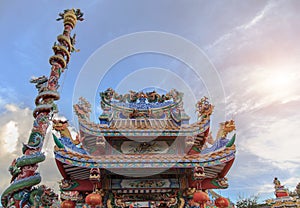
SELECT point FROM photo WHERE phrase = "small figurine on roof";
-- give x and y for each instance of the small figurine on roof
(277, 183)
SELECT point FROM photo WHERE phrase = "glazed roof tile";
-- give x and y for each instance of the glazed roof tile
(143, 124)
(214, 158)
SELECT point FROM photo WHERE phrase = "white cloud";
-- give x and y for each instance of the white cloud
(10, 135)
(11, 107)
(241, 28)
(15, 125)
(265, 188)
(267, 117)
(291, 183)
(267, 120)
(258, 17)
(270, 135)
(251, 88)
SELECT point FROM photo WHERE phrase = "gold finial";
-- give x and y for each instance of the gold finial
(70, 16)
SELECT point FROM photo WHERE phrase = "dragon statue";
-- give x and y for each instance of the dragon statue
(22, 191)
(62, 128)
(83, 108)
(204, 108)
(198, 143)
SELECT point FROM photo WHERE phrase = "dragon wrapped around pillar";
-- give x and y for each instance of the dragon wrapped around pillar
(21, 192)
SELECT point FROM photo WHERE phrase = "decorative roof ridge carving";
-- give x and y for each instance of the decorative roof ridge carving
(83, 109)
(135, 97)
(139, 104)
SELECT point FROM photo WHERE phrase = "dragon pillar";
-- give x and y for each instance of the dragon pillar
(21, 191)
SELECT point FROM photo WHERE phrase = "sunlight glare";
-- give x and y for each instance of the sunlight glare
(278, 81)
(276, 84)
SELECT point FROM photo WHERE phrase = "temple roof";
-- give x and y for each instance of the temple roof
(129, 124)
(144, 131)
(140, 100)
(76, 172)
(142, 105)
(223, 155)
(142, 127)
(142, 114)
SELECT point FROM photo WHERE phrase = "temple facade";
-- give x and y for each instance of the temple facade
(143, 151)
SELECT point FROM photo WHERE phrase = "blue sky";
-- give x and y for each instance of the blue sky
(253, 45)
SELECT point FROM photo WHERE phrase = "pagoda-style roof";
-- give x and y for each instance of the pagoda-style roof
(144, 124)
(139, 114)
(70, 157)
(148, 132)
(142, 127)
(76, 165)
